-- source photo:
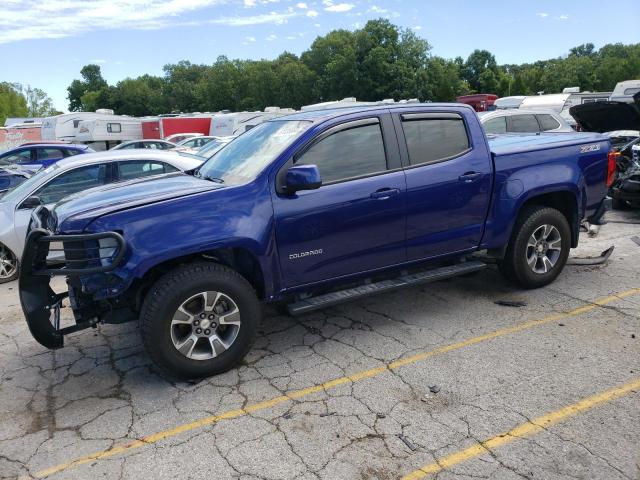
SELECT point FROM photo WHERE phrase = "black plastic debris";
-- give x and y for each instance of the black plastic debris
(434, 388)
(603, 257)
(410, 445)
(511, 303)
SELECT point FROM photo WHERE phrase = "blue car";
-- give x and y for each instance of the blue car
(36, 156)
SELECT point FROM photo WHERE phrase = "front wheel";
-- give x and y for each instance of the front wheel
(539, 247)
(199, 320)
(9, 265)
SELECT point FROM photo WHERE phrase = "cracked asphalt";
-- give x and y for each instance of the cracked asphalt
(372, 389)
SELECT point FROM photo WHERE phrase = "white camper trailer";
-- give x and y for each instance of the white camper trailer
(107, 131)
(505, 103)
(624, 91)
(66, 127)
(232, 124)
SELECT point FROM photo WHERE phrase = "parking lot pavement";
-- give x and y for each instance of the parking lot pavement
(437, 378)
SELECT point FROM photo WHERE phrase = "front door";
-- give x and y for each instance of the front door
(449, 183)
(355, 222)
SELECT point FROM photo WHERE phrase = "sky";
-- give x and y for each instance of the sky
(45, 43)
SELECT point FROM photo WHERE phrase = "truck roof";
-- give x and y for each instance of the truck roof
(325, 114)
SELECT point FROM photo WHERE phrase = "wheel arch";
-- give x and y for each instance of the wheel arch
(240, 259)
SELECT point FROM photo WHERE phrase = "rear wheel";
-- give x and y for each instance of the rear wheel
(9, 265)
(539, 247)
(199, 320)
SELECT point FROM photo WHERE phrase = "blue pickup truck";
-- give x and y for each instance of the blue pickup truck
(310, 210)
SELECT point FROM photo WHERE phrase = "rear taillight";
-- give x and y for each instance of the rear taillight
(611, 167)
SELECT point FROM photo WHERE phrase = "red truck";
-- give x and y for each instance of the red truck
(481, 102)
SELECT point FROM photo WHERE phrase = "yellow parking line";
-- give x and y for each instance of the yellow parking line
(526, 429)
(297, 394)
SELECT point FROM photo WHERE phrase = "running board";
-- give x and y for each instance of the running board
(334, 298)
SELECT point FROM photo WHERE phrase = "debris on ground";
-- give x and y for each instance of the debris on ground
(594, 230)
(381, 415)
(286, 416)
(511, 303)
(636, 240)
(603, 257)
(434, 388)
(410, 445)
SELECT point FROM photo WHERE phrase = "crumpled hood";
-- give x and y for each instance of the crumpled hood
(78, 210)
(608, 116)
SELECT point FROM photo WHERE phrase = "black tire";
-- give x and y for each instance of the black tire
(169, 293)
(4, 251)
(514, 266)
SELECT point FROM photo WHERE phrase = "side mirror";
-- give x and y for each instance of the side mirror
(30, 203)
(302, 177)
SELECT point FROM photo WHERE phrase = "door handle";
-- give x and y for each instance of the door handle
(384, 193)
(470, 177)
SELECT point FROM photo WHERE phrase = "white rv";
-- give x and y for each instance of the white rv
(107, 131)
(624, 91)
(505, 103)
(66, 127)
(232, 124)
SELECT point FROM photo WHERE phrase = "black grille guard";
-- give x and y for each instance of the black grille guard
(37, 298)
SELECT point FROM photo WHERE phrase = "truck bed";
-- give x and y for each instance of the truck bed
(519, 143)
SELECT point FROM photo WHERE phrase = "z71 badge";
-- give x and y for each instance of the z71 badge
(590, 148)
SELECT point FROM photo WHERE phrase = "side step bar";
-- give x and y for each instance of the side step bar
(334, 298)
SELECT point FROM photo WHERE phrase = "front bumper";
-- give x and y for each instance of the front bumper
(83, 255)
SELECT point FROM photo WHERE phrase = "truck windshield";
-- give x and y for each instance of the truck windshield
(244, 158)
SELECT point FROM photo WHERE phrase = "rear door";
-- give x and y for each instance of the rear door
(522, 123)
(355, 222)
(448, 182)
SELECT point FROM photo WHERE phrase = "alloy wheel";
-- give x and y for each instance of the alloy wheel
(205, 325)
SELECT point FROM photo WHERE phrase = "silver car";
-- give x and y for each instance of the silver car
(151, 144)
(523, 121)
(69, 176)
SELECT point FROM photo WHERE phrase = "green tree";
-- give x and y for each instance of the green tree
(478, 63)
(39, 104)
(92, 81)
(12, 102)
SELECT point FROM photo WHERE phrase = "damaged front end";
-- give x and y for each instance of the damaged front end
(77, 257)
(626, 185)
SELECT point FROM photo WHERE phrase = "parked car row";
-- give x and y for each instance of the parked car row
(70, 176)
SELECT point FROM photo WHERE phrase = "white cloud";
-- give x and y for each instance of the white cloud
(249, 3)
(329, 6)
(312, 13)
(563, 17)
(272, 17)
(302, 5)
(38, 19)
(271, 37)
(417, 27)
(542, 14)
(250, 39)
(377, 9)
(339, 7)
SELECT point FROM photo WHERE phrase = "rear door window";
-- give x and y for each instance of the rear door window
(522, 124)
(142, 168)
(349, 153)
(434, 139)
(495, 125)
(547, 122)
(71, 182)
(49, 154)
